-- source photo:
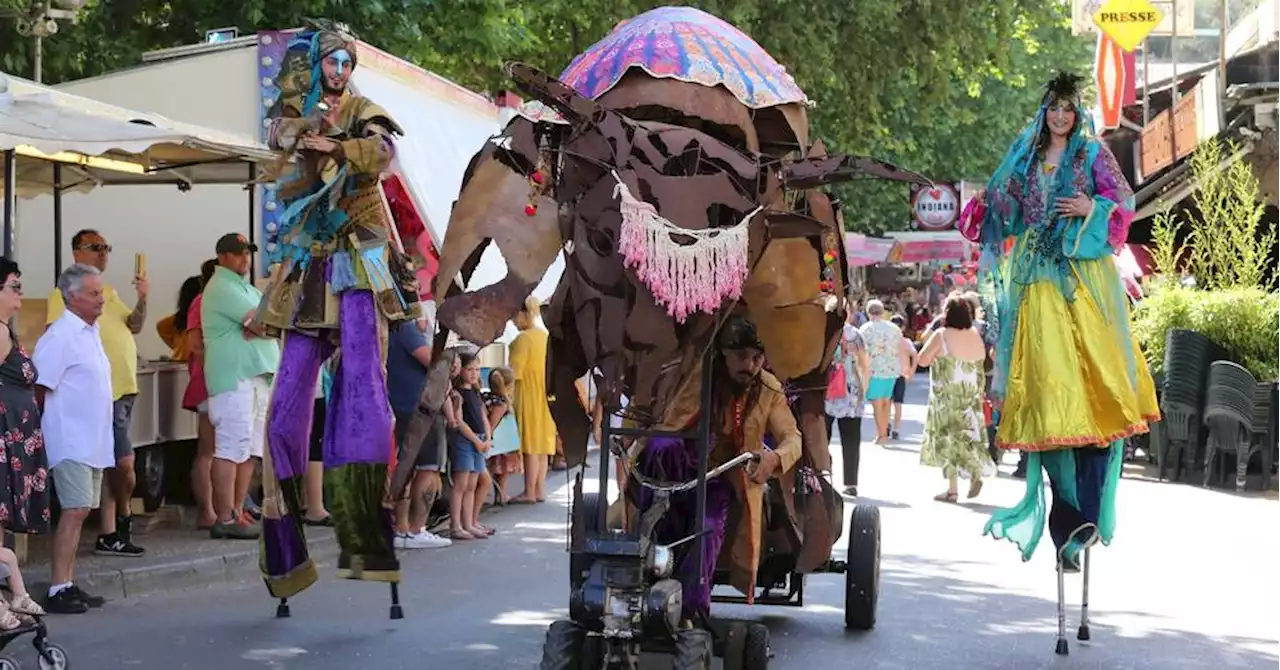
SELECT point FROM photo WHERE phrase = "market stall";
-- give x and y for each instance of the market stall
(54, 142)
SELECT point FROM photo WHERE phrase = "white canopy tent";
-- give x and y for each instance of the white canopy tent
(53, 142)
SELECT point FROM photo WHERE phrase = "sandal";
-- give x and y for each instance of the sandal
(461, 535)
(946, 496)
(8, 620)
(25, 605)
(326, 522)
(974, 489)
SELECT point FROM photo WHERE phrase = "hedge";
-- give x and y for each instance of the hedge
(1245, 321)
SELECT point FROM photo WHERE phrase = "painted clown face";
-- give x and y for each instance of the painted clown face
(1061, 117)
(336, 69)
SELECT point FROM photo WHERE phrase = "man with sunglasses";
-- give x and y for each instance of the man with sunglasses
(117, 326)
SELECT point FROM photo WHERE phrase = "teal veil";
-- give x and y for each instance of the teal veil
(1004, 277)
(1020, 204)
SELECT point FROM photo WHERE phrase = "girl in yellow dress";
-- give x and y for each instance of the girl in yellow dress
(533, 415)
(1068, 369)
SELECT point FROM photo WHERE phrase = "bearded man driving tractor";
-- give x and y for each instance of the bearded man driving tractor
(748, 404)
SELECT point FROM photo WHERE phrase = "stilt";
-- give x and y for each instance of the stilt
(1061, 648)
(1083, 633)
(397, 612)
(282, 610)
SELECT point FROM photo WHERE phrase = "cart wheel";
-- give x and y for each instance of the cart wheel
(735, 646)
(7, 663)
(563, 648)
(862, 569)
(755, 654)
(592, 656)
(579, 565)
(53, 657)
(149, 466)
(694, 650)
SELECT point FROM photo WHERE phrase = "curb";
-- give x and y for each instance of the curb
(185, 573)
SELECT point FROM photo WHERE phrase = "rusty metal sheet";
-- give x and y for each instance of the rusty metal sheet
(781, 295)
(644, 98)
(490, 208)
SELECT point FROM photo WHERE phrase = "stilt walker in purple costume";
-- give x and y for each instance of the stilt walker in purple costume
(337, 282)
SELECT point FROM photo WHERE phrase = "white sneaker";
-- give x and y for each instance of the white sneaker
(429, 540)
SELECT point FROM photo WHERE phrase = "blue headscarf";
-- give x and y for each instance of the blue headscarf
(313, 215)
(1002, 278)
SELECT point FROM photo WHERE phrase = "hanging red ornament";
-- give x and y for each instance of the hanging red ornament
(537, 177)
(530, 209)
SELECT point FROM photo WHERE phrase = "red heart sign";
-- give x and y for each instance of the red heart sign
(935, 193)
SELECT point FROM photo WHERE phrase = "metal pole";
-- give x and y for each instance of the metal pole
(1146, 83)
(10, 195)
(253, 210)
(38, 59)
(1222, 48)
(704, 449)
(57, 221)
(1173, 53)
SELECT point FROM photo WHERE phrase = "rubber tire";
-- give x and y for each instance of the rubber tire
(755, 653)
(590, 512)
(592, 655)
(735, 646)
(563, 647)
(7, 663)
(694, 650)
(149, 466)
(59, 654)
(862, 569)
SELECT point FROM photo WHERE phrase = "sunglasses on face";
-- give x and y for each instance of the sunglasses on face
(16, 287)
(96, 248)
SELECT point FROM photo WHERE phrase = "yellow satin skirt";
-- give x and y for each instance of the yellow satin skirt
(1068, 380)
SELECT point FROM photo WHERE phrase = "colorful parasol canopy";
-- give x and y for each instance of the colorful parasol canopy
(686, 44)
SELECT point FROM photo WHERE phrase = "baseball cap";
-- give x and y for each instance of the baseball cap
(234, 243)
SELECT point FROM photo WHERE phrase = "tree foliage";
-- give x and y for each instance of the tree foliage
(937, 86)
(1230, 244)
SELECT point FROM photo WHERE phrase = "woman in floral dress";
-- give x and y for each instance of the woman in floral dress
(24, 492)
(954, 427)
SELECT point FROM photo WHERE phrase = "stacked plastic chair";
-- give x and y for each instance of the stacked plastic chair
(1187, 356)
(1228, 413)
(1266, 407)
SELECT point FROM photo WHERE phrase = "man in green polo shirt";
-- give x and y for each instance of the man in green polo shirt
(239, 361)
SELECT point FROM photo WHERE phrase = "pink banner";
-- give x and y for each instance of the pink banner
(863, 250)
(923, 251)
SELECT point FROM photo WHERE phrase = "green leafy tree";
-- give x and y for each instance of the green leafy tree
(1230, 245)
(937, 86)
(1166, 250)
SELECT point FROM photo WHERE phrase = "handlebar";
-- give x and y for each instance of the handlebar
(732, 463)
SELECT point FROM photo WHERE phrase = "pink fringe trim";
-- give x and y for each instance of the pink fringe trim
(684, 278)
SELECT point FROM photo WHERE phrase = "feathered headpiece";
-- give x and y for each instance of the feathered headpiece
(1064, 86)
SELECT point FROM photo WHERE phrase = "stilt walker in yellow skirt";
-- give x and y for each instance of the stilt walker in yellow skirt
(1072, 382)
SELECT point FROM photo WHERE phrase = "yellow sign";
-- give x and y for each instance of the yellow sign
(1128, 22)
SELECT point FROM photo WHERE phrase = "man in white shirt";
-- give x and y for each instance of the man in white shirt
(73, 385)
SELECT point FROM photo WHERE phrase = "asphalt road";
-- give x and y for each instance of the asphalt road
(1183, 586)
